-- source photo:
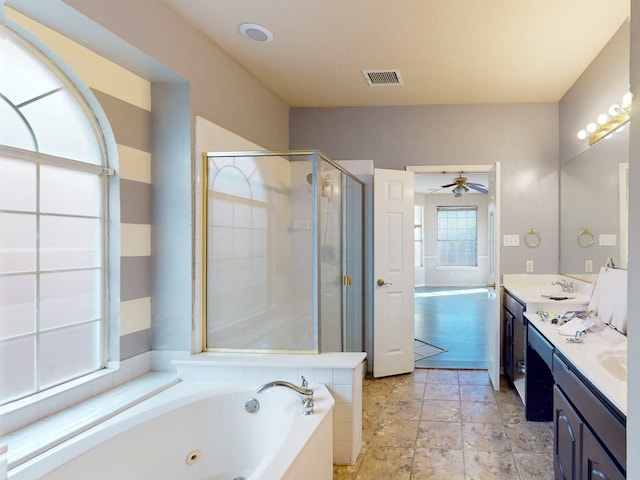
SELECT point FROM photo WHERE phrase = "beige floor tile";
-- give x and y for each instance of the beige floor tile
(534, 466)
(507, 395)
(440, 435)
(441, 411)
(477, 393)
(443, 376)
(420, 375)
(401, 410)
(438, 464)
(349, 472)
(473, 377)
(488, 437)
(481, 465)
(386, 463)
(530, 437)
(480, 412)
(395, 433)
(457, 426)
(441, 391)
(512, 413)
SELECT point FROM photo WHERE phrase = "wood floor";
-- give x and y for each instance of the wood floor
(454, 319)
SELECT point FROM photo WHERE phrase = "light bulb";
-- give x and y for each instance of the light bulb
(615, 110)
(591, 127)
(602, 119)
(582, 134)
(626, 100)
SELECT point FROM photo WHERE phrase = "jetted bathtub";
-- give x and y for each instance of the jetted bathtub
(200, 431)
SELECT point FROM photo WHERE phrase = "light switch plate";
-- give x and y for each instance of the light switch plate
(511, 240)
(588, 266)
(529, 266)
(607, 240)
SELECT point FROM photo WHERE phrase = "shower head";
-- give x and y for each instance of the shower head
(326, 186)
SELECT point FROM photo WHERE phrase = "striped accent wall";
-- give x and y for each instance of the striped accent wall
(126, 100)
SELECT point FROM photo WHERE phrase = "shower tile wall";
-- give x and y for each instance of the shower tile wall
(259, 233)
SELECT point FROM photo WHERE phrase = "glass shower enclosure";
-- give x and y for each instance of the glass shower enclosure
(284, 253)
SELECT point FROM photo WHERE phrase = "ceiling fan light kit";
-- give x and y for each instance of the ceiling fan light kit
(462, 185)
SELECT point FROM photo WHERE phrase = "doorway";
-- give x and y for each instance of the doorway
(451, 267)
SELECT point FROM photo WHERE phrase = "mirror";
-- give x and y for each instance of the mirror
(593, 207)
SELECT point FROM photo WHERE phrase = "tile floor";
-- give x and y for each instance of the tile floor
(447, 425)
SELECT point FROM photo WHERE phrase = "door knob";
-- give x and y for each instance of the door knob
(491, 285)
(381, 282)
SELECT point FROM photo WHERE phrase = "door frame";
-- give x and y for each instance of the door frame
(426, 169)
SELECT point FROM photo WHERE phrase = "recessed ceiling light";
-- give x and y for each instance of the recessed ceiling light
(255, 32)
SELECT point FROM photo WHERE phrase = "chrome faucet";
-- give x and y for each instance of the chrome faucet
(305, 393)
(566, 286)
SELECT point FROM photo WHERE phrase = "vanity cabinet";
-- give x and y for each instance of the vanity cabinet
(589, 435)
(514, 341)
(539, 377)
(567, 428)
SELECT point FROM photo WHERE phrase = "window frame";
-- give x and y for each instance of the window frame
(109, 236)
(442, 241)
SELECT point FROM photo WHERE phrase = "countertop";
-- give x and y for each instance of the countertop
(601, 358)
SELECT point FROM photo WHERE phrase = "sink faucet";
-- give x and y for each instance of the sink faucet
(305, 393)
(566, 286)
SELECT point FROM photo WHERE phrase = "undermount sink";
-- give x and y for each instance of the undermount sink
(615, 363)
(552, 293)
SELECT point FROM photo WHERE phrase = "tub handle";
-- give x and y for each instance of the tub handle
(307, 406)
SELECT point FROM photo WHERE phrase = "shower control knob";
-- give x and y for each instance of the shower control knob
(381, 282)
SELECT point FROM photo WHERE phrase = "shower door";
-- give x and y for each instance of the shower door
(353, 281)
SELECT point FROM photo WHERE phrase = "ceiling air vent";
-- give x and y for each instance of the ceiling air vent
(382, 78)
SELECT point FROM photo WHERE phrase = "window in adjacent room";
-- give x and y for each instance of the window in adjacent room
(457, 236)
(53, 197)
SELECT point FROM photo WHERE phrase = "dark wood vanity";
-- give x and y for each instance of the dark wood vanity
(589, 429)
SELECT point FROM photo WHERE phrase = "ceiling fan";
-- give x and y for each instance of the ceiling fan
(462, 185)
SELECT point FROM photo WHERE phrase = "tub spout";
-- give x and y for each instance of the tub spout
(305, 393)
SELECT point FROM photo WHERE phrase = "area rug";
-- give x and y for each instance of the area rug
(422, 349)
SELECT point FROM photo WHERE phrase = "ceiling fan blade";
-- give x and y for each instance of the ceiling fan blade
(449, 185)
(477, 187)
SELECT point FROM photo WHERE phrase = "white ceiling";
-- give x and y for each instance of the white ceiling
(447, 51)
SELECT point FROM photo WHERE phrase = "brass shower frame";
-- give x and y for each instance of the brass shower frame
(316, 154)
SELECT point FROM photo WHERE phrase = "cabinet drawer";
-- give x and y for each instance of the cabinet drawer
(610, 431)
(515, 307)
(540, 344)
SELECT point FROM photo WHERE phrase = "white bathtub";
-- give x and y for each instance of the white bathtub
(198, 431)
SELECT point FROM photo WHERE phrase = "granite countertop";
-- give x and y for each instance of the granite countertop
(601, 358)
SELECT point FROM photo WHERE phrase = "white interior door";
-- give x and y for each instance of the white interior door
(393, 320)
(495, 279)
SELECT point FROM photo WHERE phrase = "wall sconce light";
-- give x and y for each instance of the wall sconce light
(606, 123)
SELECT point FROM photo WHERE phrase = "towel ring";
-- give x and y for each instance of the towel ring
(532, 238)
(585, 238)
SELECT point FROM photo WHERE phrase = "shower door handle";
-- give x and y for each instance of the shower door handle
(381, 282)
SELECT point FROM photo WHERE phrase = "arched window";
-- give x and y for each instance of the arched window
(53, 197)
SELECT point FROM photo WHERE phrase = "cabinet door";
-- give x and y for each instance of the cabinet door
(507, 361)
(596, 462)
(567, 428)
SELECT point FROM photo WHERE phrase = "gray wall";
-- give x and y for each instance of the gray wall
(523, 137)
(220, 87)
(603, 83)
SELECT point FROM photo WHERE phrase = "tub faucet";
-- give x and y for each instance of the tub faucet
(566, 286)
(305, 393)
